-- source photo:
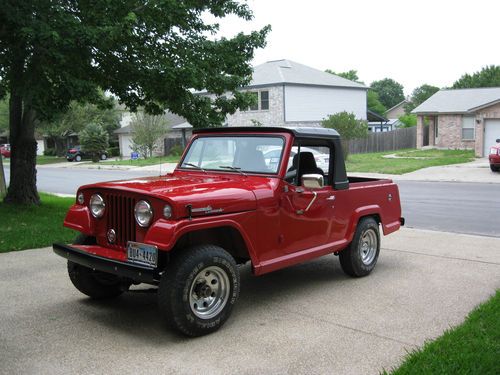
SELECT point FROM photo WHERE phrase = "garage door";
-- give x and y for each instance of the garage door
(491, 133)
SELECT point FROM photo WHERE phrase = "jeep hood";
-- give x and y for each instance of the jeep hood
(206, 194)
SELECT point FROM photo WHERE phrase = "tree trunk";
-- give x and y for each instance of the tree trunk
(22, 187)
(3, 188)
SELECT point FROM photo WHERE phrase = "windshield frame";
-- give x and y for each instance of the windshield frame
(233, 135)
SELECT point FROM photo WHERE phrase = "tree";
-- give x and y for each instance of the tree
(4, 116)
(489, 76)
(150, 54)
(408, 120)
(373, 103)
(94, 140)
(76, 118)
(420, 95)
(389, 92)
(351, 75)
(348, 127)
(148, 133)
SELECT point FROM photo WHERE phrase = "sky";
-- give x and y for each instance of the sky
(412, 42)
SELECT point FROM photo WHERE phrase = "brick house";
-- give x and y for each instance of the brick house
(291, 94)
(460, 119)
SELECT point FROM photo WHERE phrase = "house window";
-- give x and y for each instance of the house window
(468, 131)
(261, 101)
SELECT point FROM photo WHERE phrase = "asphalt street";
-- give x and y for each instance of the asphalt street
(306, 319)
(461, 207)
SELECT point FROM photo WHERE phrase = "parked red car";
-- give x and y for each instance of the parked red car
(226, 205)
(5, 150)
(494, 157)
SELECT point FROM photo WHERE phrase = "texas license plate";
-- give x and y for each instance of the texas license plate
(141, 253)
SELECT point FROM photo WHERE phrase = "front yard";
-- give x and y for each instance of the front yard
(143, 162)
(406, 161)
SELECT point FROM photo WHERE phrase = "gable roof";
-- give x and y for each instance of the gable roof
(403, 102)
(287, 71)
(459, 100)
(172, 119)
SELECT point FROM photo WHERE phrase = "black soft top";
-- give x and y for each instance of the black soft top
(302, 132)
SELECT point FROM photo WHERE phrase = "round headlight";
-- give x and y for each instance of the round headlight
(143, 213)
(97, 206)
(167, 211)
(80, 198)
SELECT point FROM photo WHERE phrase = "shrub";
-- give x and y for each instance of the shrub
(408, 120)
(114, 151)
(94, 140)
(50, 152)
(348, 127)
(176, 150)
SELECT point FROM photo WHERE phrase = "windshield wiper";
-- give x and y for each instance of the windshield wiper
(236, 169)
(196, 166)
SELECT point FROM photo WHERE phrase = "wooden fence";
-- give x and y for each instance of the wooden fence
(386, 141)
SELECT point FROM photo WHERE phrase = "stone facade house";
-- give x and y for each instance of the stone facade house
(291, 94)
(460, 119)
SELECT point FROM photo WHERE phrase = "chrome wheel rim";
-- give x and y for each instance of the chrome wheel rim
(368, 246)
(209, 292)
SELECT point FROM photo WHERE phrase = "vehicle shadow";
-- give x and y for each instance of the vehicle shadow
(136, 313)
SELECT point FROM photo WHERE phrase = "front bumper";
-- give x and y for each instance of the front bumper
(135, 272)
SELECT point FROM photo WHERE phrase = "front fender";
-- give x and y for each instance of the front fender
(165, 233)
(78, 218)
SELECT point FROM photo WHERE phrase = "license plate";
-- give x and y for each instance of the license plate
(141, 253)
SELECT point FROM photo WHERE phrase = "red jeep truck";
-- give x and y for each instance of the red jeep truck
(224, 205)
(494, 157)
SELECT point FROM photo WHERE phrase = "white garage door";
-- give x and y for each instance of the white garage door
(491, 133)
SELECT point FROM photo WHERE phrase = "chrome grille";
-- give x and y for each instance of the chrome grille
(120, 217)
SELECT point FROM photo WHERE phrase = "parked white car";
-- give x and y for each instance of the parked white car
(272, 157)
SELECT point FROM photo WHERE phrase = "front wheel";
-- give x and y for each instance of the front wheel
(494, 169)
(198, 290)
(361, 256)
(104, 156)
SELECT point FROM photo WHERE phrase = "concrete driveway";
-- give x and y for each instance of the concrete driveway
(308, 319)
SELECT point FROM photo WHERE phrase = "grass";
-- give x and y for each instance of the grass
(143, 162)
(471, 348)
(407, 161)
(29, 227)
(41, 160)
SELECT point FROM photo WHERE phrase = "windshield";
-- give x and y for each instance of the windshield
(235, 153)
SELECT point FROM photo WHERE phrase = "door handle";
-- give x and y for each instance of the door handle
(300, 212)
(330, 198)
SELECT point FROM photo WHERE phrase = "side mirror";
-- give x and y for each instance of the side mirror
(313, 181)
(498, 140)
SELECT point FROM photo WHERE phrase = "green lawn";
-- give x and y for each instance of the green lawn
(41, 160)
(32, 227)
(471, 348)
(409, 161)
(143, 162)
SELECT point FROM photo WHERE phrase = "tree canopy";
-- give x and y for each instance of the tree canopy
(348, 126)
(148, 132)
(152, 54)
(489, 76)
(374, 104)
(420, 95)
(94, 140)
(389, 92)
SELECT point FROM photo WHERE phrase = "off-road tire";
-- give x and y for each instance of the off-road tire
(351, 258)
(95, 284)
(176, 289)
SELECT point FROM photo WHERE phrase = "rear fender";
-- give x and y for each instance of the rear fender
(371, 210)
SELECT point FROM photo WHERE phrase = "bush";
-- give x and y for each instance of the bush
(114, 151)
(408, 120)
(176, 150)
(94, 140)
(348, 127)
(50, 152)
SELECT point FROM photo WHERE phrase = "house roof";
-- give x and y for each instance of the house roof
(397, 105)
(287, 71)
(459, 100)
(172, 118)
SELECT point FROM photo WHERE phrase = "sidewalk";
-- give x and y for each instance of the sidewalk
(306, 319)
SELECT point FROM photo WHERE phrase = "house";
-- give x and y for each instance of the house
(291, 94)
(179, 130)
(396, 111)
(460, 119)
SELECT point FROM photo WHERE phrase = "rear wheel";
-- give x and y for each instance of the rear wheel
(95, 284)
(198, 290)
(78, 158)
(104, 156)
(360, 258)
(494, 169)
